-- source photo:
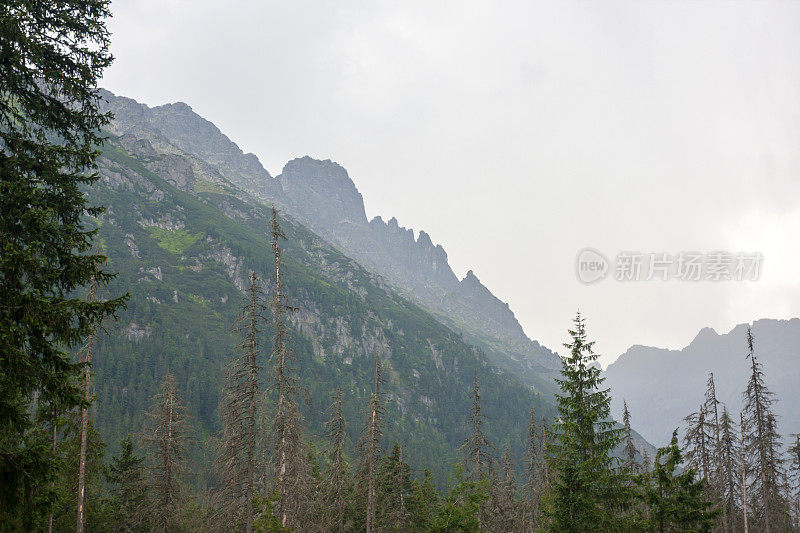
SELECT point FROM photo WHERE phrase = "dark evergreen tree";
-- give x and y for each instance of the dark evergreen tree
(128, 502)
(52, 55)
(424, 502)
(676, 500)
(393, 495)
(585, 484)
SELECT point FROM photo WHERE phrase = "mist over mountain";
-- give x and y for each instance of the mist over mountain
(663, 386)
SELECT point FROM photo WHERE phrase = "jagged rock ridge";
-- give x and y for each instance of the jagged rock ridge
(321, 195)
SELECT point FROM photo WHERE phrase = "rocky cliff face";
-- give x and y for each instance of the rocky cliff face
(321, 195)
(663, 386)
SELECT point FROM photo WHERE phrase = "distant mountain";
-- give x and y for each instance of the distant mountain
(663, 386)
(184, 239)
(321, 196)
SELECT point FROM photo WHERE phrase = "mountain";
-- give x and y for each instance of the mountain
(663, 386)
(321, 196)
(184, 239)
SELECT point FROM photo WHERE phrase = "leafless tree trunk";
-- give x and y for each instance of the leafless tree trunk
(743, 460)
(86, 352)
(370, 444)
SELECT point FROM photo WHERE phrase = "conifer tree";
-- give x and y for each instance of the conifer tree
(240, 406)
(697, 444)
(128, 502)
(335, 481)
(794, 459)
(727, 457)
(535, 461)
(165, 438)
(393, 497)
(585, 484)
(52, 55)
(289, 461)
(762, 445)
(504, 516)
(476, 446)
(369, 446)
(424, 502)
(676, 500)
(629, 452)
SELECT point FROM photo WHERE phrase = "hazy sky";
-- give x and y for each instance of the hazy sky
(518, 133)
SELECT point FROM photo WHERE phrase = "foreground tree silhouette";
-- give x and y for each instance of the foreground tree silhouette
(52, 55)
(585, 486)
(369, 446)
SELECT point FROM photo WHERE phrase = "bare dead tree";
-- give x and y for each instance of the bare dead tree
(727, 454)
(165, 439)
(369, 445)
(334, 482)
(288, 460)
(236, 465)
(794, 457)
(86, 359)
(762, 444)
(743, 460)
(697, 441)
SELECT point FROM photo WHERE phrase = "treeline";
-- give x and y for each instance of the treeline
(583, 471)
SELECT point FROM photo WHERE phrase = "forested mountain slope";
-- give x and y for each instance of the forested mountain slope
(321, 196)
(663, 386)
(183, 239)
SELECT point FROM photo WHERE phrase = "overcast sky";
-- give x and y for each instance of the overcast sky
(518, 133)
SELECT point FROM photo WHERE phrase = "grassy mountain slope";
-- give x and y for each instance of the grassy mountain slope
(183, 240)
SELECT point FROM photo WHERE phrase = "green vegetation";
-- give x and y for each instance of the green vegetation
(174, 241)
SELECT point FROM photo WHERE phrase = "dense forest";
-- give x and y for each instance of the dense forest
(248, 458)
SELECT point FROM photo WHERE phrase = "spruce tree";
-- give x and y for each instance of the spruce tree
(794, 461)
(236, 465)
(728, 453)
(289, 461)
(762, 445)
(394, 493)
(629, 452)
(335, 481)
(476, 446)
(585, 483)
(52, 55)
(676, 500)
(165, 439)
(128, 502)
(369, 447)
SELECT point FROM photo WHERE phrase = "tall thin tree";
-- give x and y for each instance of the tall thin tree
(629, 452)
(86, 360)
(762, 444)
(334, 482)
(166, 438)
(288, 459)
(369, 444)
(240, 407)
